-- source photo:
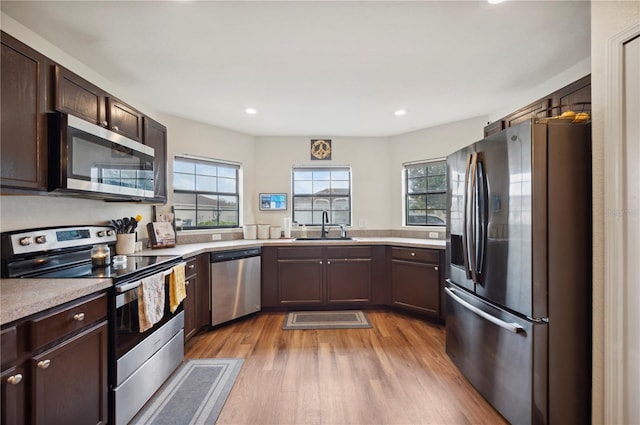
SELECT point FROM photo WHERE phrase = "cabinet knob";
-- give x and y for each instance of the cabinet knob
(192, 266)
(413, 254)
(320, 262)
(14, 379)
(115, 128)
(435, 268)
(186, 283)
(328, 262)
(104, 123)
(43, 364)
(78, 317)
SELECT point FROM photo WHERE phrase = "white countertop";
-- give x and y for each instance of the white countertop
(20, 298)
(189, 250)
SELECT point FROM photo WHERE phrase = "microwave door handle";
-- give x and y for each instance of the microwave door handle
(466, 216)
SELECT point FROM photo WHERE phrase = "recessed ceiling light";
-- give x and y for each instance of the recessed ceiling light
(400, 112)
(495, 1)
(251, 111)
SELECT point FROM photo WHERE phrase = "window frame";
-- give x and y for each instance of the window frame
(295, 197)
(237, 193)
(427, 193)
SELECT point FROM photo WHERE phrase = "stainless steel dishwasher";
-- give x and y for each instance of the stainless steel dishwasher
(235, 284)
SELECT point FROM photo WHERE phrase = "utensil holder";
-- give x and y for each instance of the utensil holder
(125, 243)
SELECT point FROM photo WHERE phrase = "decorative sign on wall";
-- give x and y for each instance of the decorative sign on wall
(321, 149)
(273, 201)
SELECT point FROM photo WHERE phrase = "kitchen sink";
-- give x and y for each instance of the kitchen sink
(324, 239)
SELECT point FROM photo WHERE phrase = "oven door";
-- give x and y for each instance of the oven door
(141, 361)
(89, 158)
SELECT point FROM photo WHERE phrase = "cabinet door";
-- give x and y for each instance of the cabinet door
(348, 280)
(155, 136)
(416, 286)
(190, 309)
(23, 127)
(69, 381)
(76, 96)
(13, 396)
(123, 119)
(300, 281)
(202, 281)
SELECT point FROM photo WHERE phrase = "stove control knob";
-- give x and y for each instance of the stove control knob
(26, 241)
(102, 233)
(111, 232)
(41, 239)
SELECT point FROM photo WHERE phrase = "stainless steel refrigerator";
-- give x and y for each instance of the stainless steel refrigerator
(518, 293)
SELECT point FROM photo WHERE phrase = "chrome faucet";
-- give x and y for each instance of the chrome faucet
(325, 219)
(343, 231)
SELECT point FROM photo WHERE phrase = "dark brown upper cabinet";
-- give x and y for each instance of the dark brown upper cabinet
(575, 96)
(123, 119)
(25, 76)
(76, 96)
(155, 136)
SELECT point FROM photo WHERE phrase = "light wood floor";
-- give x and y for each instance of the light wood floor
(395, 373)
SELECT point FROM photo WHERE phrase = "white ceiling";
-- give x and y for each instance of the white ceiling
(318, 67)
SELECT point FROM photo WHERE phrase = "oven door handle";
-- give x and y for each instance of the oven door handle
(133, 285)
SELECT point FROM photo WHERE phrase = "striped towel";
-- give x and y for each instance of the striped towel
(150, 301)
(177, 287)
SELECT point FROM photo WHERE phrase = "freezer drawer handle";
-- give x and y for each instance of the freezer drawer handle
(511, 327)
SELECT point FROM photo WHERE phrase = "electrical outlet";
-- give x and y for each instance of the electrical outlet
(216, 237)
(433, 235)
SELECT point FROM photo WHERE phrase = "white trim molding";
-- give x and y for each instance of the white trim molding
(618, 259)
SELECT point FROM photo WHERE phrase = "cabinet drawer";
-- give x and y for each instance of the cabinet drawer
(300, 252)
(9, 345)
(349, 252)
(423, 255)
(191, 269)
(57, 324)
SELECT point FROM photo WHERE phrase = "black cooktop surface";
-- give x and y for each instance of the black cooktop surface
(134, 266)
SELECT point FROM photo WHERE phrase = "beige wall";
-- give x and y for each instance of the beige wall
(429, 143)
(367, 157)
(608, 18)
(190, 137)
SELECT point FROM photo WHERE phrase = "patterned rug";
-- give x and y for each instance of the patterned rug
(354, 319)
(194, 394)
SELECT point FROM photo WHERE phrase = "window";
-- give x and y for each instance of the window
(317, 189)
(426, 193)
(205, 193)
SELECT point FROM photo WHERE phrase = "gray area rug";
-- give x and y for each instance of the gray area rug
(194, 394)
(353, 319)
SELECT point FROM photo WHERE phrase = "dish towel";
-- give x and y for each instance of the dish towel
(177, 287)
(150, 301)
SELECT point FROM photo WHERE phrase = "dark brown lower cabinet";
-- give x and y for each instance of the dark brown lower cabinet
(13, 395)
(348, 280)
(321, 276)
(69, 381)
(416, 280)
(196, 305)
(54, 365)
(300, 281)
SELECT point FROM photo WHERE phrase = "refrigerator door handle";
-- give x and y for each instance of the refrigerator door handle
(511, 327)
(469, 212)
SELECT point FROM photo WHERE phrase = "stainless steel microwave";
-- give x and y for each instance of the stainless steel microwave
(86, 159)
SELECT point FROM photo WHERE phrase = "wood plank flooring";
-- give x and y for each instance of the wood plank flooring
(395, 373)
